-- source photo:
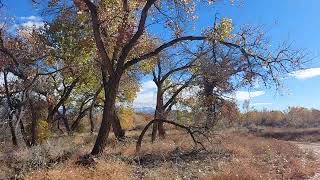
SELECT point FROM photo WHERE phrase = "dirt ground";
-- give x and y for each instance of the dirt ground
(315, 148)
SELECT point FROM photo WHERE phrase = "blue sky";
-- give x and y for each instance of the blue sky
(283, 20)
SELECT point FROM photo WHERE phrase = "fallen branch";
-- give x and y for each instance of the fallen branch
(188, 129)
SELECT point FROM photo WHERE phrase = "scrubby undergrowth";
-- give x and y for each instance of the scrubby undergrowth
(231, 155)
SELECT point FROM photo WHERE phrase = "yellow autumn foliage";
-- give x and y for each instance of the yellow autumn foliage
(43, 130)
(126, 116)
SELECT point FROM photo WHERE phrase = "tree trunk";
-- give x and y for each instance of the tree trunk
(111, 88)
(58, 126)
(24, 134)
(116, 127)
(80, 116)
(158, 127)
(33, 123)
(94, 100)
(64, 118)
(67, 92)
(159, 114)
(154, 131)
(208, 103)
(10, 116)
(22, 130)
(50, 112)
(91, 123)
(12, 130)
(162, 132)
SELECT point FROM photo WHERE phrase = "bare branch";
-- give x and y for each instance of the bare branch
(188, 129)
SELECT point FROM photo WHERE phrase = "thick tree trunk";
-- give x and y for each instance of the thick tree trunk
(208, 103)
(65, 119)
(33, 123)
(50, 113)
(91, 123)
(159, 114)
(66, 124)
(13, 133)
(116, 127)
(158, 127)
(94, 100)
(22, 130)
(162, 132)
(154, 131)
(24, 134)
(58, 126)
(10, 116)
(12, 130)
(111, 88)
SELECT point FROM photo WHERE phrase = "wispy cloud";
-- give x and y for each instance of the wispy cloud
(245, 95)
(32, 24)
(31, 18)
(261, 104)
(28, 23)
(306, 73)
(10, 77)
(147, 95)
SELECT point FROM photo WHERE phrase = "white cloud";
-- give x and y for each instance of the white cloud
(10, 77)
(306, 73)
(148, 85)
(31, 18)
(190, 92)
(28, 23)
(245, 95)
(261, 104)
(147, 95)
(32, 24)
(2, 25)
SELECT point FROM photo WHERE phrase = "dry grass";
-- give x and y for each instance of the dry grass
(68, 171)
(239, 156)
(256, 158)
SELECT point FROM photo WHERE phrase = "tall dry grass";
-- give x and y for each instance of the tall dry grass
(230, 155)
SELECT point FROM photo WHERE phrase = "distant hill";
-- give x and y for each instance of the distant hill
(147, 110)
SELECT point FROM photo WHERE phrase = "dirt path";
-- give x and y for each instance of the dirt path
(314, 147)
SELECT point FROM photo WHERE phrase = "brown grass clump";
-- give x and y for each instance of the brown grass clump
(69, 171)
